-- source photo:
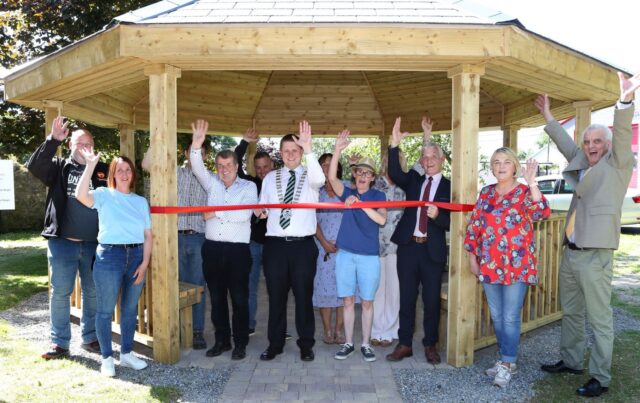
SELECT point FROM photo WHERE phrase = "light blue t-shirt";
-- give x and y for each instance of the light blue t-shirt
(122, 217)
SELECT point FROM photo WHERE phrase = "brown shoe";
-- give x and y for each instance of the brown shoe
(399, 353)
(432, 355)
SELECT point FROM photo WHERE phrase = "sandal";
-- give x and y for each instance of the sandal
(339, 339)
(385, 343)
(328, 338)
(374, 342)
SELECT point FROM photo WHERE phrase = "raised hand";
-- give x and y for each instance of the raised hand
(59, 128)
(342, 141)
(304, 139)
(628, 86)
(544, 106)
(427, 125)
(90, 158)
(199, 129)
(396, 134)
(250, 135)
(354, 158)
(529, 171)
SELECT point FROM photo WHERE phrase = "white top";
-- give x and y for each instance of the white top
(227, 226)
(303, 221)
(434, 186)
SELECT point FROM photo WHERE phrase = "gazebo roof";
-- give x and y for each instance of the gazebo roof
(335, 63)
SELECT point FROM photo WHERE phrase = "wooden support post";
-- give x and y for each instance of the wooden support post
(583, 119)
(251, 152)
(127, 141)
(164, 259)
(464, 189)
(510, 137)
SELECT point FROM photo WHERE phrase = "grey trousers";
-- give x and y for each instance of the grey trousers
(585, 286)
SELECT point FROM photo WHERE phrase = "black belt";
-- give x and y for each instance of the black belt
(573, 246)
(187, 231)
(124, 245)
(291, 238)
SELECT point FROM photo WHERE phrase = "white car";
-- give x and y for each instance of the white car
(559, 193)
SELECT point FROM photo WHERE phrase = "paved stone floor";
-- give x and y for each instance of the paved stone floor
(287, 378)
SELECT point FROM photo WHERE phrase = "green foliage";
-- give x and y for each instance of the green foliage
(31, 28)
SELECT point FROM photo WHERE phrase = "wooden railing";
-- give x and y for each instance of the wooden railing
(541, 303)
(144, 330)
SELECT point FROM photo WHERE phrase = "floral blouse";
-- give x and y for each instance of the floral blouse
(500, 234)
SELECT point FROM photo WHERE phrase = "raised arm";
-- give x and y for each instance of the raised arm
(43, 160)
(199, 129)
(622, 154)
(342, 141)
(146, 160)
(82, 190)
(558, 134)
(314, 170)
(250, 136)
(397, 175)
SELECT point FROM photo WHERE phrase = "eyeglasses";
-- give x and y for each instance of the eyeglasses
(364, 173)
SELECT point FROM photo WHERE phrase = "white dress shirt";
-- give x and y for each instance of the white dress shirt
(432, 193)
(303, 221)
(227, 226)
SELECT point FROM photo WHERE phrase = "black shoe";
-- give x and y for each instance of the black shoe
(55, 352)
(93, 347)
(198, 341)
(238, 353)
(591, 389)
(287, 336)
(218, 349)
(306, 354)
(560, 367)
(269, 354)
(252, 331)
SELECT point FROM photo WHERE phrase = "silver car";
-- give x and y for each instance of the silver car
(559, 194)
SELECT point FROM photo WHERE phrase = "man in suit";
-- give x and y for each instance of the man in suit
(599, 173)
(422, 247)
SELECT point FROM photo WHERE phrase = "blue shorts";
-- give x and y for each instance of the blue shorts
(361, 271)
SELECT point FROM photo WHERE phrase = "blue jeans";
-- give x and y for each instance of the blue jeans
(67, 258)
(254, 280)
(113, 273)
(190, 271)
(505, 304)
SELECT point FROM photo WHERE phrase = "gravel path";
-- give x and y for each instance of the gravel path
(30, 320)
(470, 384)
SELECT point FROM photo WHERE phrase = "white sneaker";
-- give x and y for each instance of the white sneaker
(494, 370)
(131, 361)
(108, 368)
(503, 376)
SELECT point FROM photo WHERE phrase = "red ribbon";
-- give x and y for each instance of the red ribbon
(334, 205)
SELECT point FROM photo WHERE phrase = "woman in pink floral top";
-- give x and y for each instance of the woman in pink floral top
(502, 250)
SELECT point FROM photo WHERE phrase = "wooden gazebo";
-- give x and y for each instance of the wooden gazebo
(270, 63)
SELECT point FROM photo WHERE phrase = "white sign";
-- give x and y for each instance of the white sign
(7, 191)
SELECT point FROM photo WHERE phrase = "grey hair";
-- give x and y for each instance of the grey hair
(597, 126)
(431, 144)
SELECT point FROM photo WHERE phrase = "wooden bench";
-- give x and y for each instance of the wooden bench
(190, 294)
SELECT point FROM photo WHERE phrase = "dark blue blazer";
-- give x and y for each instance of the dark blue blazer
(411, 182)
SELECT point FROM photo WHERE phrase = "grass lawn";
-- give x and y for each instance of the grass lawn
(24, 376)
(23, 267)
(625, 382)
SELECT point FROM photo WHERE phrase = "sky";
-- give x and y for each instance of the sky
(608, 30)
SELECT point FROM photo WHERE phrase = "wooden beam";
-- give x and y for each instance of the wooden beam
(164, 259)
(510, 137)
(127, 141)
(464, 188)
(583, 119)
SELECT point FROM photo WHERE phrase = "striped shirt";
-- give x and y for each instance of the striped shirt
(190, 193)
(227, 226)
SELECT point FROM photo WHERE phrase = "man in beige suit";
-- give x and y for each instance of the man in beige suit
(600, 174)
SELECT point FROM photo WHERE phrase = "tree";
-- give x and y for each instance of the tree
(32, 28)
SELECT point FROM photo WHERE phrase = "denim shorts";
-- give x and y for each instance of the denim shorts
(361, 271)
